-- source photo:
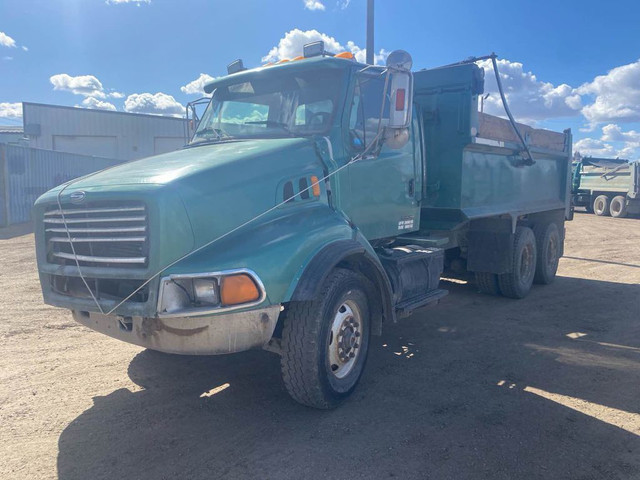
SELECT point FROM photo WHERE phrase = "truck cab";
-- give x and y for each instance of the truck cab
(318, 200)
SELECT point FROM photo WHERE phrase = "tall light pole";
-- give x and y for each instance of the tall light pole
(370, 49)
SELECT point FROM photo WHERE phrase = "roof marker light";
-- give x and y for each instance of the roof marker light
(347, 55)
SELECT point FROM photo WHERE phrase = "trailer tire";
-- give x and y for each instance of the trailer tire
(618, 206)
(487, 283)
(548, 253)
(517, 282)
(601, 205)
(325, 342)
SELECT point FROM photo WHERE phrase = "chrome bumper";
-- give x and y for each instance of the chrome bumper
(208, 335)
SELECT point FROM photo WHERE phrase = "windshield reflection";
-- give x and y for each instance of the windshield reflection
(288, 104)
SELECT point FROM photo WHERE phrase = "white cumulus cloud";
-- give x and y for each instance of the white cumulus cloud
(529, 99)
(616, 95)
(155, 104)
(11, 110)
(95, 104)
(343, 4)
(87, 85)
(7, 41)
(196, 87)
(291, 44)
(614, 142)
(313, 5)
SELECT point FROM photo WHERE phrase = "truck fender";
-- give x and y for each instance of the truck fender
(354, 256)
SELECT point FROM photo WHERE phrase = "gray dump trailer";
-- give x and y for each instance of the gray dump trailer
(607, 186)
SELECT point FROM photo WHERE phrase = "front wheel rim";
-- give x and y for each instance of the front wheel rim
(345, 339)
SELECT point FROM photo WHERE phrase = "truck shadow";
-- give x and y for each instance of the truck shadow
(477, 387)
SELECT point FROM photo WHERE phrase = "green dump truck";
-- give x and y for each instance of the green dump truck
(607, 186)
(318, 200)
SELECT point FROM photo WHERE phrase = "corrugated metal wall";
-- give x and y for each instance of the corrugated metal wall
(26, 173)
(126, 136)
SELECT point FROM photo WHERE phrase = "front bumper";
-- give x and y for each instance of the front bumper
(206, 335)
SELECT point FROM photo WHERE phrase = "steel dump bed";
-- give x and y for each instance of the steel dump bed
(475, 164)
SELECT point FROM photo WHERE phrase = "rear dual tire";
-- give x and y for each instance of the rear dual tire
(618, 206)
(549, 246)
(517, 282)
(601, 205)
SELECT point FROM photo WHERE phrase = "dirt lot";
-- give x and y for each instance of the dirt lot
(477, 387)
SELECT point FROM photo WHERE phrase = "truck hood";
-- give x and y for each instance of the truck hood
(218, 187)
(179, 165)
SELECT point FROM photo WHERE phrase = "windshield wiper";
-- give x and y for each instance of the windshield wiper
(219, 133)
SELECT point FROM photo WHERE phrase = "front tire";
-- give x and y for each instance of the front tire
(325, 342)
(517, 282)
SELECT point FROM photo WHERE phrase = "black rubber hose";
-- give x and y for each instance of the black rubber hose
(530, 161)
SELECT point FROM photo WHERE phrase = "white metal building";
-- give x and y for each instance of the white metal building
(101, 133)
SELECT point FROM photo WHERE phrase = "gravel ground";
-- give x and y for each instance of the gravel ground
(477, 387)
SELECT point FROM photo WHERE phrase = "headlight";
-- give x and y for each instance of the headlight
(203, 293)
(206, 291)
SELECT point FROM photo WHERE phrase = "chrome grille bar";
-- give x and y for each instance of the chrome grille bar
(94, 220)
(84, 211)
(98, 239)
(88, 258)
(99, 230)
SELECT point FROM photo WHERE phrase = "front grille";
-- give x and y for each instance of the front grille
(106, 234)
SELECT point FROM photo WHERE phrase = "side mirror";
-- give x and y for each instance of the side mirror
(399, 65)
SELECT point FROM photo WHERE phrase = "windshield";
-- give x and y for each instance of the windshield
(272, 105)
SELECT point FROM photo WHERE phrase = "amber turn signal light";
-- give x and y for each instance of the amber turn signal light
(315, 186)
(237, 289)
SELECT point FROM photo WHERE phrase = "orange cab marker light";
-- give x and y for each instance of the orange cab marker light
(299, 57)
(315, 186)
(284, 60)
(236, 289)
(347, 55)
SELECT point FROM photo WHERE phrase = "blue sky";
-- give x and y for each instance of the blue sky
(565, 63)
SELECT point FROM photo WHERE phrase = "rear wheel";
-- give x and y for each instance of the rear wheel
(548, 253)
(325, 342)
(517, 282)
(487, 283)
(601, 205)
(618, 206)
